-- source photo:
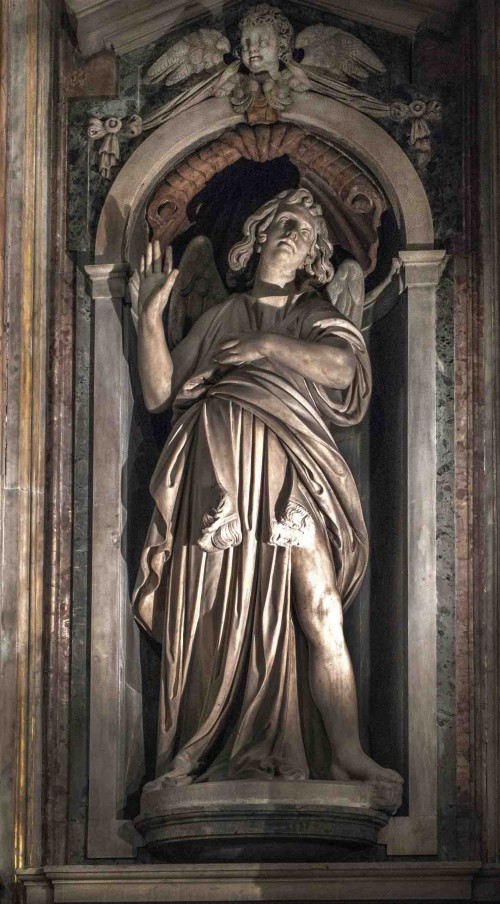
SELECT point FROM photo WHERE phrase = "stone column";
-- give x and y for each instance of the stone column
(416, 834)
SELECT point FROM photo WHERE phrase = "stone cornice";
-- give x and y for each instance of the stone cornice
(104, 23)
(252, 881)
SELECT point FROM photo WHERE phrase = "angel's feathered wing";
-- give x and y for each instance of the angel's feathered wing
(346, 291)
(200, 51)
(197, 288)
(219, 84)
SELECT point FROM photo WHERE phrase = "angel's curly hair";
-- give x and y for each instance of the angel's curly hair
(263, 14)
(317, 264)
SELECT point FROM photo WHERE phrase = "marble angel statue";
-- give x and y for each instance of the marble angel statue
(264, 64)
(258, 533)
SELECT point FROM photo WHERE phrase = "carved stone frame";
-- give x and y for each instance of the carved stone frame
(115, 689)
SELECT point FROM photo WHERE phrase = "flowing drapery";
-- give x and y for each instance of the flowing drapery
(250, 468)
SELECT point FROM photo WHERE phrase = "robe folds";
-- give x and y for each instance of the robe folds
(250, 470)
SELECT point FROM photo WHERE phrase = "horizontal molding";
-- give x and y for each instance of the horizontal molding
(249, 882)
(106, 23)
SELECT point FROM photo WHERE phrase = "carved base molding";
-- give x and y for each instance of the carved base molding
(257, 821)
(253, 882)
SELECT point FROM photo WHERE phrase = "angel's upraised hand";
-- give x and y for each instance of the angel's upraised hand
(156, 281)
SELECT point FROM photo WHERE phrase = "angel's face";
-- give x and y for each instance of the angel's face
(260, 49)
(290, 239)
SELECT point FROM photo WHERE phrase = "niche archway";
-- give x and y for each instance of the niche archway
(323, 117)
(352, 201)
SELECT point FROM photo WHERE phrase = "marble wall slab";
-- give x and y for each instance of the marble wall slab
(442, 181)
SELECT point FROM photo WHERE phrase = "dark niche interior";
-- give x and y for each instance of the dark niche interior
(221, 208)
(374, 450)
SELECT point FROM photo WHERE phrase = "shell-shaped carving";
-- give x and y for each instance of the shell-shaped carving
(329, 170)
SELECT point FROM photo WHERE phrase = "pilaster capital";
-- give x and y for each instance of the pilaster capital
(108, 280)
(422, 268)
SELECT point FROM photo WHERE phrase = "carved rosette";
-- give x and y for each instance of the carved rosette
(110, 130)
(421, 115)
(351, 200)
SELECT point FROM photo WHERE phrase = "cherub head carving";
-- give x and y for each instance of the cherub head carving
(291, 230)
(266, 39)
(329, 56)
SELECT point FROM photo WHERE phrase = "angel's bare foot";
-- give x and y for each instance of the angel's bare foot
(338, 774)
(358, 766)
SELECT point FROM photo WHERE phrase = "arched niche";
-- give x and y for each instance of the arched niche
(352, 201)
(115, 722)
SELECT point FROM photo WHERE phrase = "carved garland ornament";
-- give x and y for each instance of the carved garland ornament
(348, 194)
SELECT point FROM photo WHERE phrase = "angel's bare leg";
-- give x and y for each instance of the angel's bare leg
(319, 610)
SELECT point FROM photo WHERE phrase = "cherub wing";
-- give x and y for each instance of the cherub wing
(337, 52)
(197, 288)
(200, 51)
(346, 291)
(219, 84)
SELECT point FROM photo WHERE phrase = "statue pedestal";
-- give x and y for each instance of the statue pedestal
(276, 821)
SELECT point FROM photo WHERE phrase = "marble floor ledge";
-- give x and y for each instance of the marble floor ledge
(175, 883)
